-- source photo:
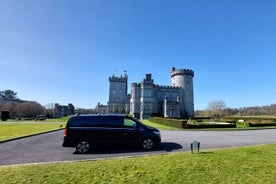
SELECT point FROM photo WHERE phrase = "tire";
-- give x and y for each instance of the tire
(83, 146)
(147, 144)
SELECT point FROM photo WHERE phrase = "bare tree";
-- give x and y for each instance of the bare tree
(216, 105)
(50, 110)
(29, 109)
(216, 108)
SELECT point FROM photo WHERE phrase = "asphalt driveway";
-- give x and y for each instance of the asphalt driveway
(47, 147)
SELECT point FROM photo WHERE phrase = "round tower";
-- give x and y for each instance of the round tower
(184, 78)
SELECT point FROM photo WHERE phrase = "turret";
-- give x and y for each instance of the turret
(183, 78)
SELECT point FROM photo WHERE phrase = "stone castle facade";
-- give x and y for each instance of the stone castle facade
(118, 97)
(63, 110)
(147, 98)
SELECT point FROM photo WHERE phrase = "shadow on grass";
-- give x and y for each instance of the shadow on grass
(164, 146)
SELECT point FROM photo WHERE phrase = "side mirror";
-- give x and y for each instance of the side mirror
(135, 127)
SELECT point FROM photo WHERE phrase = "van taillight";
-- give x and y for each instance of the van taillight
(65, 132)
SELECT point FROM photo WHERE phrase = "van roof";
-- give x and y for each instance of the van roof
(118, 115)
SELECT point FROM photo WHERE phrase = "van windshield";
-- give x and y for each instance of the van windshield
(129, 123)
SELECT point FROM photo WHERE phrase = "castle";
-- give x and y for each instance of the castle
(63, 110)
(147, 99)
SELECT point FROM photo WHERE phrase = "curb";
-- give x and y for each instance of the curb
(26, 136)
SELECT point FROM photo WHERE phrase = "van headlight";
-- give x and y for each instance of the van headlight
(157, 133)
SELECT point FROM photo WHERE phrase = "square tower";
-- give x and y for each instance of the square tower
(118, 97)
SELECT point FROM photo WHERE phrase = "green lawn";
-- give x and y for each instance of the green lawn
(159, 126)
(10, 130)
(255, 164)
(63, 119)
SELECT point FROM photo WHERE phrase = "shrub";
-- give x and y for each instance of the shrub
(261, 124)
(211, 125)
(5, 115)
(178, 123)
(191, 123)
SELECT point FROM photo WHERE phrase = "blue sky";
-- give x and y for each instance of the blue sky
(64, 51)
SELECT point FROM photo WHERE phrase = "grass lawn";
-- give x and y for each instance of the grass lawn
(254, 164)
(10, 130)
(159, 126)
(63, 119)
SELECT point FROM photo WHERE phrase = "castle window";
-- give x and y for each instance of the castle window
(147, 93)
(160, 95)
(188, 85)
(146, 108)
(174, 95)
(167, 94)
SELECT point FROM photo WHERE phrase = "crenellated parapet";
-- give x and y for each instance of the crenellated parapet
(134, 84)
(166, 87)
(175, 72)
(118, 79)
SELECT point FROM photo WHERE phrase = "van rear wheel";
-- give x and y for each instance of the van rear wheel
(147, 143)
(83, 146)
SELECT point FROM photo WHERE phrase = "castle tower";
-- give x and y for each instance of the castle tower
(183, 78)
(118, 97)
(147, 97)
(135, 104)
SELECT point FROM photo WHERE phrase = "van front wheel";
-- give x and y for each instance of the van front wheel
(83, 146)
(147, 144)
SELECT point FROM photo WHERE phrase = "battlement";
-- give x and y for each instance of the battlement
(167, 87)
(134, 84)
(175, 72)
(148, 80)
(118, 79)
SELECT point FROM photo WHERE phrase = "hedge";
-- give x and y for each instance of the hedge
(5, 115)
(249, 122)
(253, 121)
(202, 125)
(261, 124)
(178, 123)
(182, 123)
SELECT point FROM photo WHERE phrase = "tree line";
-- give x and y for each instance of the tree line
(17, 108)
(218, 108)
(9, 102)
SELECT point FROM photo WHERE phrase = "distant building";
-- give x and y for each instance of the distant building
(147, 99)
(101, 109)
(63, 110)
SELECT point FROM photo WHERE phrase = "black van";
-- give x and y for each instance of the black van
(85, 131)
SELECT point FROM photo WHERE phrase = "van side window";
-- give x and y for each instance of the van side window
(82, 121)
(112, 121)
(129, 123)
